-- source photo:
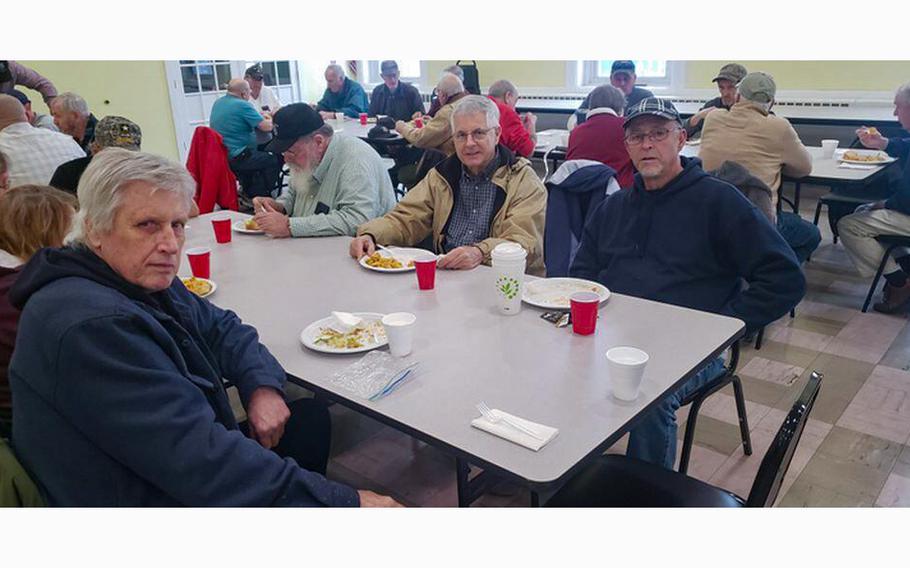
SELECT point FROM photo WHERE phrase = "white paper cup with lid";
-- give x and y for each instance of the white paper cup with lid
(509, 261)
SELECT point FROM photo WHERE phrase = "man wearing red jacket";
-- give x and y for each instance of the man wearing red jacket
(600, 137)
(518, 133)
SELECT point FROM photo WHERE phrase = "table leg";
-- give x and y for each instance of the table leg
(461, 477)
(535, 499)
(796, 189)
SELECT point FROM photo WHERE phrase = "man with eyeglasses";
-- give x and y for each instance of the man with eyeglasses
(393, 97)
(683, 237)
(479, 197)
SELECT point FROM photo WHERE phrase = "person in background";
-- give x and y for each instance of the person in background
(472, 201)
(601, 136)
(262, 97)
(767, 146)
(31, 217)
(138, 415)
(393, 97)
(13, 74)
(71, 115)
(519, 133)
(37, 120)
(342, 96)
(110, 132)
(435, 104)
(623, 77)
(337, 182)
(4, 173)
(437, 133)
(33, 154)
(884, 217)
(683, 237)
(727, 79)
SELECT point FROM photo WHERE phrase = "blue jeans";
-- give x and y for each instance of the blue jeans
(654, 438)
(802, 236)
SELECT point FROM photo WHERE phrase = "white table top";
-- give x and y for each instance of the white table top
(468, 352)
(352, 127)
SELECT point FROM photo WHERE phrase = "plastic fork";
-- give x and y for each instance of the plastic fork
(488, 413)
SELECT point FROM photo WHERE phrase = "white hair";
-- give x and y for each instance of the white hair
(100, 187)
(501, 88)
(455, 70)
(903, 93)
(71, 102)
(476, 104)
(449, 85)
(336, 69)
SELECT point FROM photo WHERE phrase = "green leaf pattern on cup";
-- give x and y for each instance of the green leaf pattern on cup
(507, 286)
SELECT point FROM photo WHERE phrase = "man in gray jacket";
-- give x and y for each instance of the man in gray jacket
(337, 182)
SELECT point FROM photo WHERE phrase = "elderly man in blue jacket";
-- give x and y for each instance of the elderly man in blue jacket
(683, 237)
(117, 372)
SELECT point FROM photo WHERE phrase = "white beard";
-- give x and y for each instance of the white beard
(300, 179)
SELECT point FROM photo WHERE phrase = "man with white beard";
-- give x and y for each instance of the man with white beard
(337, 182)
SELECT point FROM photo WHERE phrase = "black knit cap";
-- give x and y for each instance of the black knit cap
(290, 123)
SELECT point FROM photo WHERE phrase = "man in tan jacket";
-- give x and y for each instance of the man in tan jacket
(437, 133)
(469, 203)
(766, 145)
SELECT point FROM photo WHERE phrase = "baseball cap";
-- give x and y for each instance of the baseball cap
(388, 67)
(118, 132)
(290, 123)
(733, 72)
(627, 67)
(23, 98)
(254, 72)
(652, 106)
(758, 87)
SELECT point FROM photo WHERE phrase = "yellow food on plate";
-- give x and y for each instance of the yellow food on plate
(251, 225)
(873, 131)
(197, 286)
(367, 333)
(376, 260)
(857, 157)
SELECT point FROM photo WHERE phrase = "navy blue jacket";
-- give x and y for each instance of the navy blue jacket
(692, 244)
(900, 200)
(118, 398)
(569, 206)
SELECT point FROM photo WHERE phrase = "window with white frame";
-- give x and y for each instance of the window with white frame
(649, 72)
(274, 73)
(409, 70)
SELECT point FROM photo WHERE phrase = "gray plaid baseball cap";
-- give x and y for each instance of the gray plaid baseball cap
(653, 106)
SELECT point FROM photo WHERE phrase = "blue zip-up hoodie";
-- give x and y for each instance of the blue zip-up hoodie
(118, 397)
(692, 243)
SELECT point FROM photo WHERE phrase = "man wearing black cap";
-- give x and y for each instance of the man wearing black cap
(37, 120)
(393, 97)
(262, 96)
(622, 76)
(683, 237)
(727, 78)
(337, 181)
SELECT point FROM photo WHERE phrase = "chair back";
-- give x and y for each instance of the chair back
(16, 487)
(776, 462)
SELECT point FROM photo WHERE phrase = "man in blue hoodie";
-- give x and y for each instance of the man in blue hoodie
(683, 237)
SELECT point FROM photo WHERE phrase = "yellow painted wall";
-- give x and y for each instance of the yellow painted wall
(813, 75)
(136, 90)
(521, 73)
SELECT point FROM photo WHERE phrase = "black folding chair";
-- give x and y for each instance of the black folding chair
(618, 481)
(890, 242)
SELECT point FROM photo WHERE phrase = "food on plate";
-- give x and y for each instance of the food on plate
(197, 286)
(377, 260)
(858, 157)
(251, 225)
(873, 131)
(366, 333)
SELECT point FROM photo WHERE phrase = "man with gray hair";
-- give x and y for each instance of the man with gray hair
(342, 96)
(481, 196)
(237, 121)
(437, 133)
(71, 115)
(33, 153)
(138, 415)
(601, 137)
(337, 182)
(519, 133)
(767, 146)
(435, 105)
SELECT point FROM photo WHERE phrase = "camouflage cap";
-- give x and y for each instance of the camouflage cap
(118, 132)
(758, 87)
(254, 72)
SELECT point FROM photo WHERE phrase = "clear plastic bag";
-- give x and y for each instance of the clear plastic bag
(375, 375)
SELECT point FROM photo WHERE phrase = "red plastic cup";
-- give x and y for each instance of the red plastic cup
(363, 118)
(418, 122)
(584, 312)
(222, 226)
(426, 272)
(200, 261)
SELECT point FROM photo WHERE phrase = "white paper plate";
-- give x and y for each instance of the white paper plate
(886, 158)
(210, 282)
(553, 293)
(240, 227)
(309, 335)
(401, 253)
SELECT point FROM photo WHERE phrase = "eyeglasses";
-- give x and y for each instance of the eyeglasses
(478, 134)
(656, 135)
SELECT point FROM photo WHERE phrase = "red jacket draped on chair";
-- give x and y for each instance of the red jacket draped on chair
(208, 163)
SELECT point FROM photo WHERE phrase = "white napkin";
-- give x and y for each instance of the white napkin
(344, 322)
(514, 435)
(847, 166)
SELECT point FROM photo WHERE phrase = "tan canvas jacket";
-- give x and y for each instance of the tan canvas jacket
(436, 134)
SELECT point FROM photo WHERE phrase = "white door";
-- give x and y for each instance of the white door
(195, 85)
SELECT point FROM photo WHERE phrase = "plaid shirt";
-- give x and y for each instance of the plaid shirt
(35, 153)
(473, 211)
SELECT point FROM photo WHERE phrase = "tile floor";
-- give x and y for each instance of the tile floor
(855, 450)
